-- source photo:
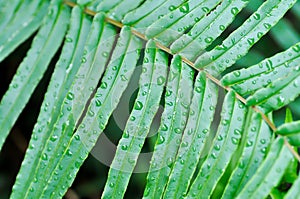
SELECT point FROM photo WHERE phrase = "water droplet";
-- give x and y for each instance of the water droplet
(269, 64)
(217, 147)
(205, 9)
(123, 78)
(204, 131)
(146, 60)
(177, 130)
(170, 162)
(263, 150)
(267, 25)
(259, 34)
(184, 8)
(98, 102)
(222, 27)
(250, 41)
(208, 39)
(132, 118)
(172, 7)
(214, 155)
(280, 101)
(77, 137)
(168, 93)
(83, 60)
(161, 80)
(70, 96)
(53, 138)
(69, 39)
(138, 105)
(160, 16)
(114, 68)
(181, 161)
(197, 19)
(91, 113)
(237, 132)
(124, 147)
(164, 127)
(111, 184)
(234, 140)
(220, 138)
(249, 143)
(256, 16)
(296, 83)
(104, 54)
(198, 89)
(161, 139)
(224, 122)
(253, 129)
(44, 156)
(103, 85)
(69, 153)
(296, 48)
(234, 10)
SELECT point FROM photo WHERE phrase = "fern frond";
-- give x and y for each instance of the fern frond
(269, 173)
(241, 40)
(15, 29)
(177, 101)
(243, 158)
(120, 68)
(195, 136)
(61, 78)
(151, 84)
(258, 137)
(33, 67)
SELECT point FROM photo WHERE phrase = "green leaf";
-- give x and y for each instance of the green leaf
(177, 100)
(33, 67)
(225, 143)
(258, 136)
(247, 81)
(195, 135)
(241, 40)
(207, 29)
(143, 17)
(151, 83)
(62, 77)
(171, 26)
(269, 173)
(79, 144)
(292, 131)
(294, 192)
(21, 26)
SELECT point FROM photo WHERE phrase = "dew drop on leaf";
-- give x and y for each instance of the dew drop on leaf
(103, 85)
(138, 105)
(184, 8)
(234, 10)
(205, 9)
(267, 25)
(172, 7)
(69, 39)
(208, 39)
(70, 96)
(177, 130)
(161, 139)
(234, 140)
(124, 147)
(256, 16)
(296, 48)
(44, 156)
(161, 80)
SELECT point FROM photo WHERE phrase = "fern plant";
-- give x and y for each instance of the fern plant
(186, 65)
